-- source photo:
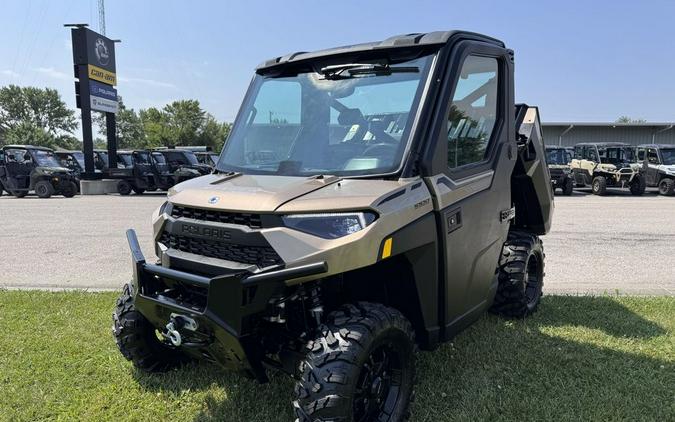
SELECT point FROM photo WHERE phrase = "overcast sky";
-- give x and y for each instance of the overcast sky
(577, 60)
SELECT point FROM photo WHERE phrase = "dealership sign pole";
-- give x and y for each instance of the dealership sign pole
(94, 64)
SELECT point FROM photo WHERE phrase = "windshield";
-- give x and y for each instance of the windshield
(125, 160)
(668, 156)
(159, 158)
(559, 156)
(142, 158)
(79, 156)
(344, 121)
(616, 155)
(45, 159)
(191, 157)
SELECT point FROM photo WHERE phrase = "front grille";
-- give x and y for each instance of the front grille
(251, 220)
(262, 256)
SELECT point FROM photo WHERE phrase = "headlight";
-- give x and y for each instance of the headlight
(329, 225)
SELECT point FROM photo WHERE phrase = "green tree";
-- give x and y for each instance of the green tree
(34, 115)
(627, 119)
(186, 120)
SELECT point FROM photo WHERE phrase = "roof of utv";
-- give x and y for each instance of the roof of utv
(658, 146)
(604, 144)
(416, 40)
(28, 147)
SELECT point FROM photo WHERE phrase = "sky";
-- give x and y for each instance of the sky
(577, 60)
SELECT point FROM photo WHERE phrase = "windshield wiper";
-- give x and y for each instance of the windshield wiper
(337, 71)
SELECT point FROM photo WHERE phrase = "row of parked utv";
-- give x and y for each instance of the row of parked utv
(26, 168)
(612, 165)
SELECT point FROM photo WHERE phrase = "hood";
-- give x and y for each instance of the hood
(255, 193)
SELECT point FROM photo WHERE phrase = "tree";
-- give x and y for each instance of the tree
(185, 119)
(30, 111)
(627, 119)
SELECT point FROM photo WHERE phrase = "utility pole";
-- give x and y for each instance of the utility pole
(101, 17)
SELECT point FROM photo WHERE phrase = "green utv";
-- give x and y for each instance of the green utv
(370, 199)
(26, 168)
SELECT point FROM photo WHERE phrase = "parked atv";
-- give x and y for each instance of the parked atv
(26, 168)
(331, 243)
(658, 163)
(558, 160)
(183, 164)
(607, 164)
(137, 172)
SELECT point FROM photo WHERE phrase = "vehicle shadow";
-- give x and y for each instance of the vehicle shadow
(578, 358)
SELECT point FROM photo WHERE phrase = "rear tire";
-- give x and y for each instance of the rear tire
(19, 194)
(360, 366)
(123, 187)
(136, 338)
(69, 190)
(44, 189)
(520, 276)
(667, 187)
(599, 186)
(568, 187)
(638, 186)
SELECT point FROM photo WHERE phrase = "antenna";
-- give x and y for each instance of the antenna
(101, 17)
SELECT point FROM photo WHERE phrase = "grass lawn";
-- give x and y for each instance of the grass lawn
(578, 358)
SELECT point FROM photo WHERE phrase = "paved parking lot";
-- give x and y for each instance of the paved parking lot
(598, 244)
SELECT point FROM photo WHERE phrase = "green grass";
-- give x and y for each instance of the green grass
(578, 358)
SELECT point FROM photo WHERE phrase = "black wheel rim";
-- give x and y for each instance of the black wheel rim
(378, 389)
(533, 279)
(663, 187)
(41, 190)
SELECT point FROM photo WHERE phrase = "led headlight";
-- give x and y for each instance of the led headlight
(329, 225)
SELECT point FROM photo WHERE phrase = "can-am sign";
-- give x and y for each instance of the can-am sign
(93, 49)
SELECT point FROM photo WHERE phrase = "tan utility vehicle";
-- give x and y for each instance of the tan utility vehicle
(370, 199)
(607, 164)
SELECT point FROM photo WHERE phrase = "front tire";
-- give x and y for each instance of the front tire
(136, 338)
(360, 366)
(667, 187)
(599, 186)
(123, 187)
(568, 187)
(520, 276)
(44, 189)
(638, 187)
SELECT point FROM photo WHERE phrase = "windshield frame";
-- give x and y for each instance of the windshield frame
(419, 103)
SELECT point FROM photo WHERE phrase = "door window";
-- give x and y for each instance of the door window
(652, 156)
(473, 111)
(641, 154)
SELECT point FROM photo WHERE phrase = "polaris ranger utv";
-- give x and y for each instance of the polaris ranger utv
(558, 160)
(183, 164)
(658, 163)
(398, 195)
(26, 168)
(607, 164)
(139, 171)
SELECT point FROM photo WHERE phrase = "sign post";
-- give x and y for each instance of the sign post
(94, 64)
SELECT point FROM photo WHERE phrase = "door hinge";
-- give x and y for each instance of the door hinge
(507, 215)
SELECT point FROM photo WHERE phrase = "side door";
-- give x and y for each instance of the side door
(652, 169)
(470, 194)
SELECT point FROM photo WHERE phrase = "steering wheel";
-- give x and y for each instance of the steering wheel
(385, 147)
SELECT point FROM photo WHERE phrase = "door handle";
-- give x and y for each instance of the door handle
(453, 220)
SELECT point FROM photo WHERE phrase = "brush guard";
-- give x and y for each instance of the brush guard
(216, 322)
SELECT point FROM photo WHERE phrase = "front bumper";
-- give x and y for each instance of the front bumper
(224, 307)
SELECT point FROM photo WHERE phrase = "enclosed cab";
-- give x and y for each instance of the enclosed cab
(184, 164)
(369, 198)
(208, 158)
(26, 168)
(558, 160)
(607, 165)
(658, 164)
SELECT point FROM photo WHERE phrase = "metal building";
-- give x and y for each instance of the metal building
(568, 134)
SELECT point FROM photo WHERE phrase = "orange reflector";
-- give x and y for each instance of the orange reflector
(386, 250)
